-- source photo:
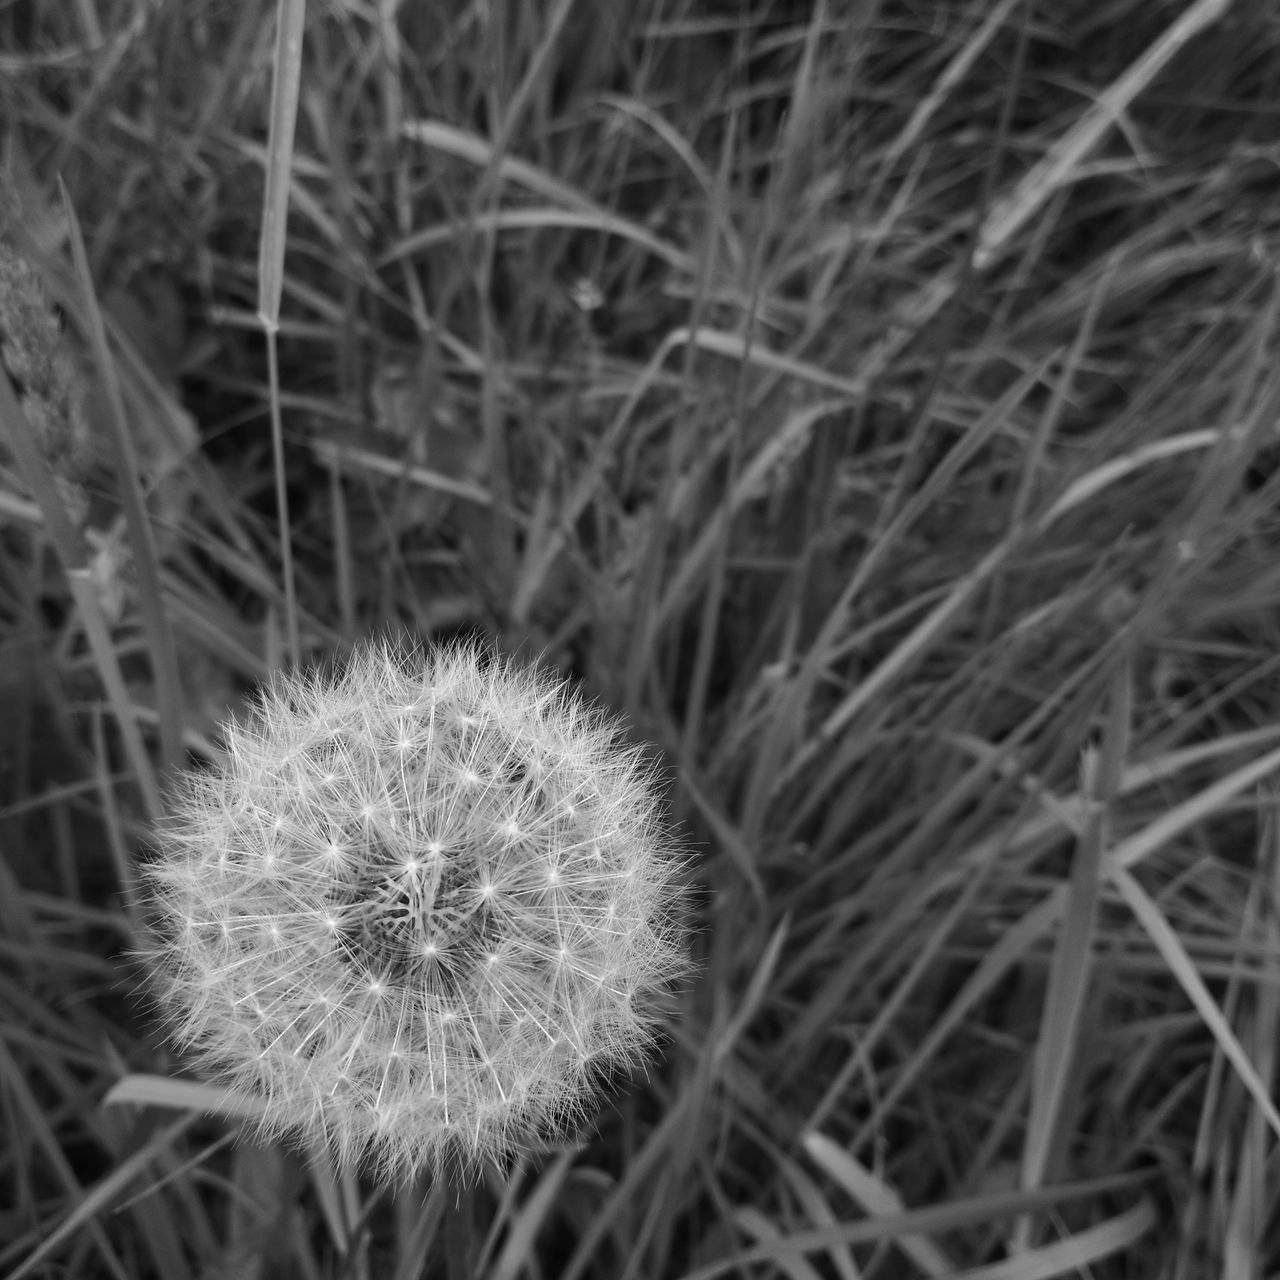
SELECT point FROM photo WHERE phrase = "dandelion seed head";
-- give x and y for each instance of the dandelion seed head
(420, 911)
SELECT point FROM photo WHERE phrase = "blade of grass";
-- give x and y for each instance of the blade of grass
(285, 85)
(1069, 812)
(1013, 946)
(1061, 163)
(940, 617)
(669, 1145)
(954, 73)
(480, 152)
(1076, 1254)
(1183, 968)
(418, 1230)
(1181, 817)
(1249, 1212)
(790, 439)
(876, 1199)
(38, 1130)
(187, 1095)
(528, 1223)
(1072, 962)
(330, 1193)
(651, 562)
(979, 1211)
(818, 1209)
(164, 658)
(760, 1227)
(919, 958)
(73, 554)
(85, 1214)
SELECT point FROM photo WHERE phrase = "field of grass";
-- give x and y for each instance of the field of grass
(875, 402)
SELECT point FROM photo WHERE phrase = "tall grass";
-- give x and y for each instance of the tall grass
(876, 403)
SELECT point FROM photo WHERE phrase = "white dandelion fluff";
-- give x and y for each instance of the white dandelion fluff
(419, 910)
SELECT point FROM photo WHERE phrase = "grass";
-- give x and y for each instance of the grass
(874, 402)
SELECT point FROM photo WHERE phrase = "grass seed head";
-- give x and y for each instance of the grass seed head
(418, 911)
(34, 352)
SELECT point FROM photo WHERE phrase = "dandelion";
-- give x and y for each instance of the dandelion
(419, 912)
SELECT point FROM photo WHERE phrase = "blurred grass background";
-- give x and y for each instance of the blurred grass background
(875, 401)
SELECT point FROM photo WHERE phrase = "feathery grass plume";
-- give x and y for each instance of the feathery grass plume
(419, 910)
(50, 388)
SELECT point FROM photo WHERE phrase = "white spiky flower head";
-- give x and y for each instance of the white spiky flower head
(419, 909)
